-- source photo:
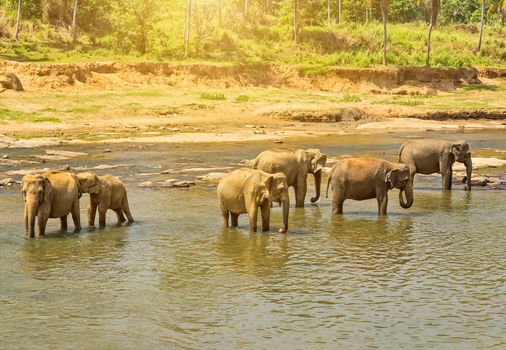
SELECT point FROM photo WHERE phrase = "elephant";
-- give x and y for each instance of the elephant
(295, 164)
(367, 178)
(106, 192)
(51, 194)
(245, 190)
(430, 156)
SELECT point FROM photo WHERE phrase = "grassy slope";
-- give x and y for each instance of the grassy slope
(348, 44)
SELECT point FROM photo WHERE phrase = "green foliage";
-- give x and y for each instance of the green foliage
(242, 98)
(212, 96)
(351, 98)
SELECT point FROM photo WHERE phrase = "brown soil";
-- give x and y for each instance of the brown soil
(403, 80)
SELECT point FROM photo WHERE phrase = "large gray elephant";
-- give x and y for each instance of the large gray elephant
(245, 190)
(367, 178)
(50, 195)
(430, 156)
(296, 164)
(106, 192)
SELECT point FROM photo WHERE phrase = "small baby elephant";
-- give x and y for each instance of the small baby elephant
(245, 190)
(106, 192)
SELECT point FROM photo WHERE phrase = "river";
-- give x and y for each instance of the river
(433, 276)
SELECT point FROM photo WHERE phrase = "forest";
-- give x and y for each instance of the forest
(312, 33)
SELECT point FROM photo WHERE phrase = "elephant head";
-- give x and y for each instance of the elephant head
(278, 192)
(400, 178)
(36, 190)
(89, 182)
(462, 154)
(316, 162)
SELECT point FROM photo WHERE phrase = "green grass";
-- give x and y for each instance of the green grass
(351, 98)
(215, 96)
(241, 99)
(345, 44)
(7, 115)
(479, 88)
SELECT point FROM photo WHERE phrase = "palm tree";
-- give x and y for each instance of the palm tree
(18, 21)
(74, 23)
(384, 7)
(187, 27)
(328, 12)
(295, 9)
(481, 24)
(433, 7)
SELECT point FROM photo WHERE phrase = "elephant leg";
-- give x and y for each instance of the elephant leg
(266, 215)
(119, 214)
(224, 215)
(126, 209)
(92, 211)
(63, 223)
(42, 225)
(253, 217)
(300, 192)
(27, 232)
(412, 172)
(235, 219)
(447, 178)
(102, 211)
(337, 201)
(382, 205)
(76, 215)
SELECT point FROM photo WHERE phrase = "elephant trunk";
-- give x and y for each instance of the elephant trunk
(30, 214)
(408, 191)
(469, 170)
(317, 185)
(285, 200)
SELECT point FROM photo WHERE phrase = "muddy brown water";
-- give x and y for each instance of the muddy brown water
(432, 276)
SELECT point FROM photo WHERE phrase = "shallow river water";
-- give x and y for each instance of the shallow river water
(433, 276)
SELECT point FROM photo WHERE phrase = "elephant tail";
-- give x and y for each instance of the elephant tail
(328, 182)
(400, 151)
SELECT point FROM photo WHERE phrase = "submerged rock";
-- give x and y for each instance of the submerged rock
(212, 176)
(146, 184)
(7, 182)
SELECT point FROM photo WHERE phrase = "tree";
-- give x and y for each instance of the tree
(295, 10)
(433, 7)
(18, 21)
(384, 8)
(74, 22)
(338, 11)
(245, 9)
(328, 12)
(481, 24)
(187, 27)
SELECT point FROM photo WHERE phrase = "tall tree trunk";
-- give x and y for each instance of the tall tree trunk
(267, 5)
(18, 21)
(245, 9)
(427, 60)
(295, 9)
(384, 17)
(74, 23)
(187, 28)
(328, 12)
(481, 25)
(219, 5)
(338, 11)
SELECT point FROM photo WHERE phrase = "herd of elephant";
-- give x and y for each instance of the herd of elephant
(56, 194)
(272, 172)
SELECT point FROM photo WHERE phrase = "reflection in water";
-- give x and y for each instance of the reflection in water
(432, 274)
(257, 254)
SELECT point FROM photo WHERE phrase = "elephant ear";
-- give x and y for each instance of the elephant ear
(268, 181)
(95, 188)
(456, 148)
(390, 178)
(48, 190)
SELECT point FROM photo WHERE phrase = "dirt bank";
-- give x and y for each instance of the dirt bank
(110, 75)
